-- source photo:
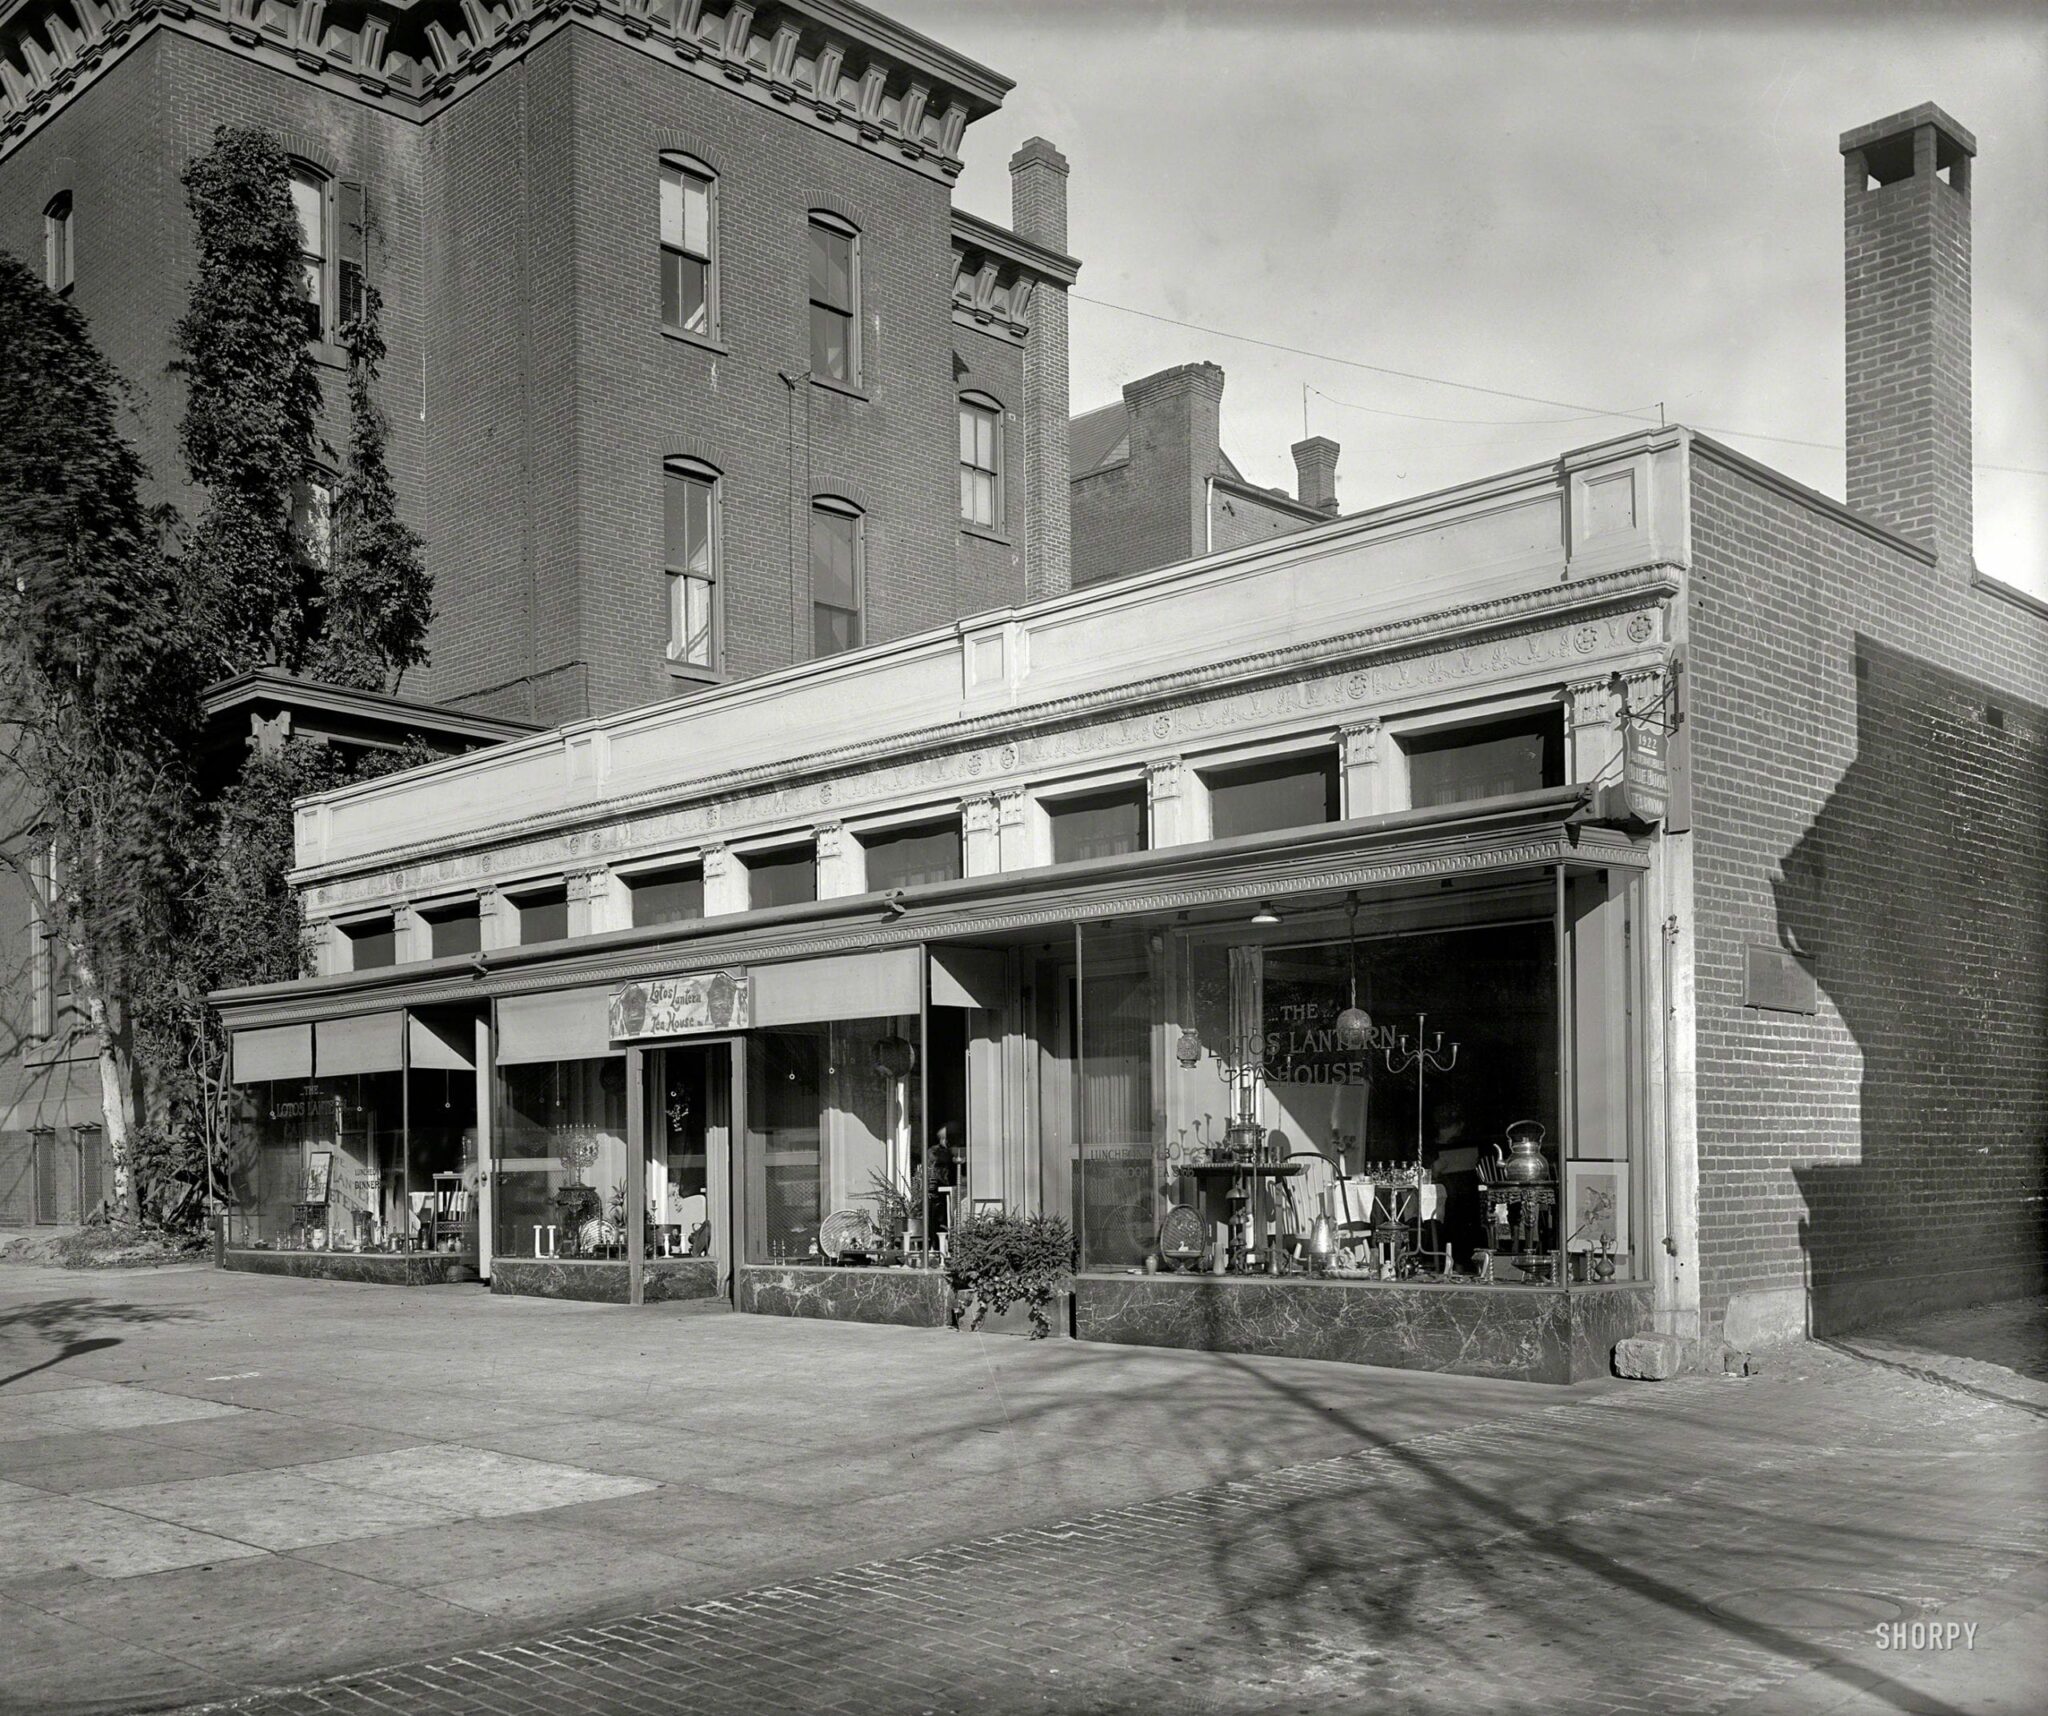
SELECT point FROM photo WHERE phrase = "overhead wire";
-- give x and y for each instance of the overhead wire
(1585, 413)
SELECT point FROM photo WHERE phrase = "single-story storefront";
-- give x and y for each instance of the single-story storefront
(1275, 920)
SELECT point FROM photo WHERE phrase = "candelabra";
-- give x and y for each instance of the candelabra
(1424, 1057)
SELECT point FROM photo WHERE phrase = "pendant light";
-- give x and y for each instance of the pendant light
(1188, 1051)
(1265, 914)
(1354, 1024)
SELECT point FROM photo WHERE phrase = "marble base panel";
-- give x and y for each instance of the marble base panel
(909, 1298)
(1527, 1334)
(605, 1281)
(379, 1268)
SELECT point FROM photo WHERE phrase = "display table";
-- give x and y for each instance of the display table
(1235, 1201)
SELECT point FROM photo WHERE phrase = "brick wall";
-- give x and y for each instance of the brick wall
(1236, 518)
(1149, 511)
(1889, 823)
(992, 573)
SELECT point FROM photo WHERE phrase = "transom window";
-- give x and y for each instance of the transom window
(1097, 825)
(372, 944)
(904, 857)
(57, 272)
(981, 484)
(309, 203)
(835, 301)
(689, 205)
(1491, 759)
(837, 577)
(667, 896)
(786, 877)
(1281, 792)
(690, 557)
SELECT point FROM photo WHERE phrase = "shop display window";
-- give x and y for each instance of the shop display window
(688, 1129)
(560, 1187)
(1351, 1088)
(835, 1164)
(370, 1162)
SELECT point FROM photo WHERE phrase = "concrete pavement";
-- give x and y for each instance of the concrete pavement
(221, 1484)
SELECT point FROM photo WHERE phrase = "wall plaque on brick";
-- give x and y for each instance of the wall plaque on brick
(1775, 980)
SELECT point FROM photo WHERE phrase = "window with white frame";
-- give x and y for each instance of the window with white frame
(835, 300)
(689, 237)
(57, 268)
(690, 558)
(310, 203)
(838, 577)
(313, 520)
(981, 466)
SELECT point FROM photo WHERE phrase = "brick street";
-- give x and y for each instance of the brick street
(1160, 1530)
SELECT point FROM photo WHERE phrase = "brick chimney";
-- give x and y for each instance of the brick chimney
(1315, 473)
(1038, 212)
(1907, 191)
(1176, 430)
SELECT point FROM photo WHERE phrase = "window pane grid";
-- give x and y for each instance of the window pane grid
(689, 553)
(980, 493)
(685, 250)
(832, 300)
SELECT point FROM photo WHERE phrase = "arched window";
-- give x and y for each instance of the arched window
(690, 561)
(689, 247)
(57, 243)
(835, 299)
(838, 575)
(981, 461)
(313, 205)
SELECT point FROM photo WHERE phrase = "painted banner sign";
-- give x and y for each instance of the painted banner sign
(1645, 772)
(681, 1006)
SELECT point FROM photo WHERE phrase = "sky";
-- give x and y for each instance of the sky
(1610, 207)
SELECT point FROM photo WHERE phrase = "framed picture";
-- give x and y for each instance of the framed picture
(988, 1206)
(319, 1172)
(1596, 1206)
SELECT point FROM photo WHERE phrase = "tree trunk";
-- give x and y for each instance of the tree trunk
(117, 1089)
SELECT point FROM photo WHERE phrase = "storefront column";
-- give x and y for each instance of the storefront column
(1593, 724)
(981, 838)
(598, 901)
(725, 883)
(497, 923)
(1364, 781)
(1166, 795)
(635, 1212)
(1014, 833)
(842, 865)
(412, 935)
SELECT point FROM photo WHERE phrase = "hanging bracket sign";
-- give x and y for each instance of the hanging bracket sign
(1645, 771)
(683, 1006)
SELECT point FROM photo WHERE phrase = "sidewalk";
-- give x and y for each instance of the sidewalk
(800, 1517)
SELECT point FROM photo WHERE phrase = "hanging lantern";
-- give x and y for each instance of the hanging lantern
(895, 1057)
(1188, 1051)
(1354, 1028)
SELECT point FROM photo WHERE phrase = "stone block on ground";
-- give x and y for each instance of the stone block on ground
(1649, 1358)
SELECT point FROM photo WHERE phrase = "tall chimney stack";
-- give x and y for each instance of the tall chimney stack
(1315, 473)
(1038, 212)
(1907, 257)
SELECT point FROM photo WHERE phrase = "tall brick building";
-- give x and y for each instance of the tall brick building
(695, 371)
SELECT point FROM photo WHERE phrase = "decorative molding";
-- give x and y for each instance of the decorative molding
(831, 840)
(1009, 803)
(911, 101)
(978, 814)
(1359, 743)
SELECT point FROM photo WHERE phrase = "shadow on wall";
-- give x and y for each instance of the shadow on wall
(1918, 899)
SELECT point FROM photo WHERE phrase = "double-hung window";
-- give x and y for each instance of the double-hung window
(835, 301)
(313, 520)
(837, 576)
(689, 282)
(690, 558)
(981, 470)
(309, 203)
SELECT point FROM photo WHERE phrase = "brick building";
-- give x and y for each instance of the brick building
(1701, 813)
(695, 371)
(1153, 485)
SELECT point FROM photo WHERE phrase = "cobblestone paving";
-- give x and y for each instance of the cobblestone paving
(1605, 1555)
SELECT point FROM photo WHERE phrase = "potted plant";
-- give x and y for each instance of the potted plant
(899, 1207)
(996, 1261)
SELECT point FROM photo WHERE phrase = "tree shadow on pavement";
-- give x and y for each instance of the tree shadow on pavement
(76, 1325)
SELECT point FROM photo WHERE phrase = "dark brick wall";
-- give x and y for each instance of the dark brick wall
(992, 573)
(1148, 511)
(1236, 519)
(1890, 825)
